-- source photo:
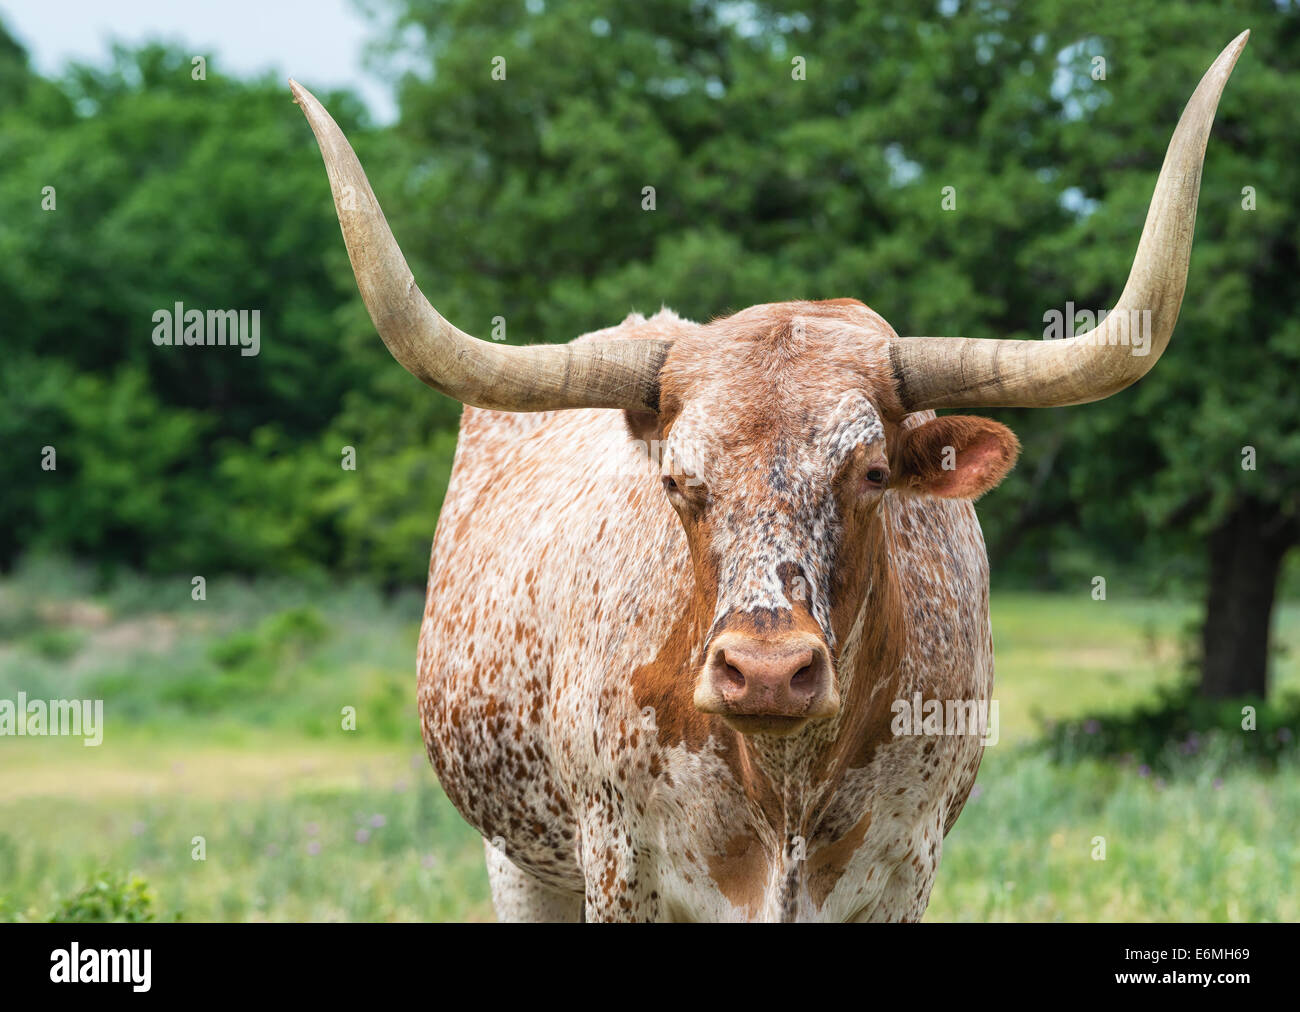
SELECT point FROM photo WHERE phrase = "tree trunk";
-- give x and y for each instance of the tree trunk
(1245, 558)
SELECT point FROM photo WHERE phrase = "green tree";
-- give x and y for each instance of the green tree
(1203, 456)
(166, 189)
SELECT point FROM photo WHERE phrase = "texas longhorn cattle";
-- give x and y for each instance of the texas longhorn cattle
(662, 684)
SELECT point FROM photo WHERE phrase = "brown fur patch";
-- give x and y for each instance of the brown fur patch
(740, 873)
(828, 864)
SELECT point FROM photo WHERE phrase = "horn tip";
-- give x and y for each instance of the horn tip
(301, 95)
(1221, 69)
(1234, 48)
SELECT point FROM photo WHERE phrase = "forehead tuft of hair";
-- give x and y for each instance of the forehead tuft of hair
(775, 364)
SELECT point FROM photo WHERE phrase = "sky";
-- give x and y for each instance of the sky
(319, 42)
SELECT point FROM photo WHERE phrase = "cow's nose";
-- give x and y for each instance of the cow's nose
(767, 686)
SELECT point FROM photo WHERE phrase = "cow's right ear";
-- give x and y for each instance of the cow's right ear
(643, 426)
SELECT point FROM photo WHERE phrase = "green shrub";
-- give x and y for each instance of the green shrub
(109, 898)
(249, 661)
(1178, 726)
(57, 644)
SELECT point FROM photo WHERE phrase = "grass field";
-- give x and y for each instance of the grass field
(223, 733)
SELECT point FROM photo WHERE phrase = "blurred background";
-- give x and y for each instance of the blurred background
(1145, 587)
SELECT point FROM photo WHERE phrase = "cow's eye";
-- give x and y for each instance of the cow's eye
(876, 477)
(670, 483)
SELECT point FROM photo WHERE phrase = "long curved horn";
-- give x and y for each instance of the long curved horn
(951, 372)
(597, 374)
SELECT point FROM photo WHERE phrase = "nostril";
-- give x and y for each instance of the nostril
(733, 677)
(804, 678)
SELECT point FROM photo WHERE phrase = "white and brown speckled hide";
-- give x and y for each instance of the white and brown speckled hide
(570, 604)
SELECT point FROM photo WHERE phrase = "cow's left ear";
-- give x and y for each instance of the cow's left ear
(955, 457)
(643, 426)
